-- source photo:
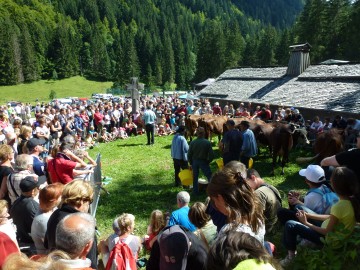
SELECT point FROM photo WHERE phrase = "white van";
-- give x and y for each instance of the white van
(107, 96)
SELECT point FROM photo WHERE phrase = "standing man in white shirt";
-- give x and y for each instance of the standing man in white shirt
(149, 120)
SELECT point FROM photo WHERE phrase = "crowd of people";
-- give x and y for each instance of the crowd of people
(45, 194)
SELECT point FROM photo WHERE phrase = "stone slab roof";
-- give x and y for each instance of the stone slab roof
(326, 87)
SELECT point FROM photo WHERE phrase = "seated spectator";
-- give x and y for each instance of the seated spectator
(115, 132)
(315, 128)
(339, 122)
(122, 232)
(268, 195)
(49, 198)
(104, 136)
(161, 131)
(206, 230)
(327, 124)
(75, 235)
(89, 141)
(279, 114)
(130, 127)
(157, 223)
(257, 111)
(313, 200)
(297, 118)
(24, 167)
(122, 133)
(231, 111)
(65, 165)
(177, 248)
(181, 216)
(238, 250)
(245, 113)
(234, 198)
(288, 115)
(76, 197)
(351, 131)
(24, 210)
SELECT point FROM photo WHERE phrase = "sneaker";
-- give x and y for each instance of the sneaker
(287, 260)
(307, 244)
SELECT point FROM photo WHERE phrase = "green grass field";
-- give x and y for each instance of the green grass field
(72, 87)
(143, 180)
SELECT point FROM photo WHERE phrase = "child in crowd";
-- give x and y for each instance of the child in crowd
(168, 129)
(123, 227)
(89, 141)
(115, 133)
(105, 136)
(345, 212)
(206, 230)
(161, 131)
(122, 133)
(157, 223)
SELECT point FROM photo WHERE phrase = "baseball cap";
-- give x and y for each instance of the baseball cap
(174, 248)
(29, 183)
(33, 142)
(313, 173)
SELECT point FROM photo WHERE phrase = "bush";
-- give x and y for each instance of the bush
(52, 94)
(329, 257)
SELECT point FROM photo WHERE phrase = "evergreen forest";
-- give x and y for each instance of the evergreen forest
(167, 41)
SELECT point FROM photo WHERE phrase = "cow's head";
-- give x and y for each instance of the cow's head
(299, 135)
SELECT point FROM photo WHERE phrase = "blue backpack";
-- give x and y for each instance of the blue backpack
(329, 198)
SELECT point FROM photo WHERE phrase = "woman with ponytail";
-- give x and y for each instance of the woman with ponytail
(232, 196)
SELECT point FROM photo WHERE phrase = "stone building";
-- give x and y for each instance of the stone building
(325, 89)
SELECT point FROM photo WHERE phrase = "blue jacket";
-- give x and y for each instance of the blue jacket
(179, 147)
(249, 146)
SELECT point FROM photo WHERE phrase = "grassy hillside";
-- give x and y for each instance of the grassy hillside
(75, 87)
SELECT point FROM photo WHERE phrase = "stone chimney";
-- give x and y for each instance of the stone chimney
(299, 59)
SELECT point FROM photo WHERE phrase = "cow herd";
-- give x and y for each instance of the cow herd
(278, 137)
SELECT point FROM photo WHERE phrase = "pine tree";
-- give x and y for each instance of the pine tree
(9, 61)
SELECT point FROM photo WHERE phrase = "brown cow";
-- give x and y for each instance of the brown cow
(326, 144)
(281, 142)
(191, 124)
(213, 125)
(282, 138)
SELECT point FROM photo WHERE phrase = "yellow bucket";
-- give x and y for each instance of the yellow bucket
(186, 177)
(251, 163)
(220, 163)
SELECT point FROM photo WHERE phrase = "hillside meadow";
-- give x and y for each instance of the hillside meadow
(75, 87)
